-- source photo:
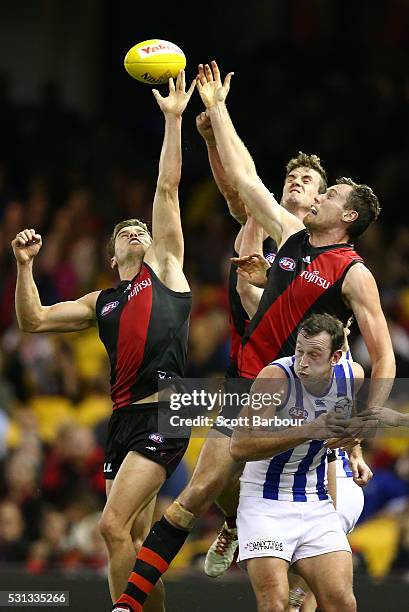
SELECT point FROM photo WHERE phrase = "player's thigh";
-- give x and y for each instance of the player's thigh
(329, 575)
(215, 467)
(135, 485)
(269, 578)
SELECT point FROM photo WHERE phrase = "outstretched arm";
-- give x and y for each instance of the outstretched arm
(167, 236)
(32, 316)
(252, 241)
(230, 194)
(237, 161)
(361, 293)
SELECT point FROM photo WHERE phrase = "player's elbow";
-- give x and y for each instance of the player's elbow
(167, 184)
(240, 449)
(28, 325)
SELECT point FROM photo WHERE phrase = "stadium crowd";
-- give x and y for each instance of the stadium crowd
(71, 177)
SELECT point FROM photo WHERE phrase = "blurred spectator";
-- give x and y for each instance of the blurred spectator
(13, 544)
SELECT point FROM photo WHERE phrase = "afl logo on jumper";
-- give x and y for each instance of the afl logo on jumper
(270, 257)
(286, 263)
(109, 308)
(158, 438)
(298, 413)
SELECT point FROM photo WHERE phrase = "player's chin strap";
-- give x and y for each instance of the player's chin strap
(296, 597)
(178, 516)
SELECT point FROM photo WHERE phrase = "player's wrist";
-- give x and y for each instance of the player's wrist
(25, 264)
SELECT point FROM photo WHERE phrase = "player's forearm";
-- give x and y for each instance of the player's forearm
(234, 156)
(170, 164)
(27, 299)
(231, 195)
(382, 378)
(254, 447)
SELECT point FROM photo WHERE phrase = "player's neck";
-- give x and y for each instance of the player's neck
(319, 386)
(321, 238)
(129, 270)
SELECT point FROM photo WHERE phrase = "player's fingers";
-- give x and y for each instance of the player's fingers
(171, 85)
(157, 95)
(208, 73)
(201, 74)
(216, 71)
(191, 89)
(181, 81)
(227, 80)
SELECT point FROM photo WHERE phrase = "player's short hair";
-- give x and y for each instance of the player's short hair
(317, 323)
(117, 229)
(308, 161)
(364, 201)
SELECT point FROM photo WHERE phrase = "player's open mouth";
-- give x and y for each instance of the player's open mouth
(314, 210)
(134, 241)
(296, 189)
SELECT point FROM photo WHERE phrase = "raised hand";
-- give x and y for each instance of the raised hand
(252, 268)
(385, 416)
(210, 86)
(26, 245)
(176, 102)
(204, 127)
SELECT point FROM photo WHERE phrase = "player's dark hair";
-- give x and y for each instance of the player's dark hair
(363, 200)
(117, 229)
(308, 161)
(317, 323)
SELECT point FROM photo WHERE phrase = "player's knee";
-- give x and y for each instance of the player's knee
(338, 600)
(111, 528)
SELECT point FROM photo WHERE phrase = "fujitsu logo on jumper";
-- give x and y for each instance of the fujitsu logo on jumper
(314, 277)
(143, 284)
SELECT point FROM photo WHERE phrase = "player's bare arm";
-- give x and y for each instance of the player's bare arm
(386, 416)
(32, 316)
(361, 293)
(252, 443)
(237, 161)
(165, 254)
(230, 194)
(252, 240)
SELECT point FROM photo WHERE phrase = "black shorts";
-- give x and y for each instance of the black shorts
(135, 428)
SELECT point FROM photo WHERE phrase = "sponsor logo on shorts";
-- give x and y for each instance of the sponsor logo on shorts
(107, 468)
(287, 264)
(151, 448)
(298, 413)
(270, 257)
(264, 545)
(158, 438)
(109, 308)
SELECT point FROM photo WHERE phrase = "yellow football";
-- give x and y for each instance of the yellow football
(154, 61)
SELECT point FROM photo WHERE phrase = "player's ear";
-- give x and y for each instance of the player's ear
(336, 357)
(114, 262)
